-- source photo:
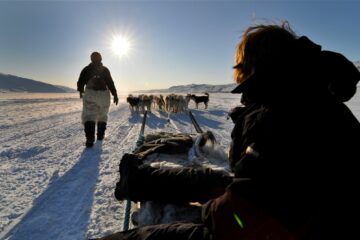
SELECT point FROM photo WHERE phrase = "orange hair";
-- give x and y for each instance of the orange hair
(260, 45)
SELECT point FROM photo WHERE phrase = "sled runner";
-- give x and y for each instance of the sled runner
(167, 173)
(194, 122)
(139, 142)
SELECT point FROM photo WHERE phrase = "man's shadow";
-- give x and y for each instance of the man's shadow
(135, 117)
(63, 210)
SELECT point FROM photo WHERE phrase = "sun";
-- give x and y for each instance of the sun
(120, 45)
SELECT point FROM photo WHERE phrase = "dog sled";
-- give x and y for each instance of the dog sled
(168, 175)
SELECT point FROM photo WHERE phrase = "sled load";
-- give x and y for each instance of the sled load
(168, 174)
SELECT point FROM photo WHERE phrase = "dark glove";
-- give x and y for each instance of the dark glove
(81, 94)
(116, 100)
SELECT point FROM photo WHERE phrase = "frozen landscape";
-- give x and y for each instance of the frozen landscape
(53, 188)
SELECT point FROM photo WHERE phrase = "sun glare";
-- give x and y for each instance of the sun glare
(120, 46)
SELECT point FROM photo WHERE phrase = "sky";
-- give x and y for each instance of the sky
(172, 42)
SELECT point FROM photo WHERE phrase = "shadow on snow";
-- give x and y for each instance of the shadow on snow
(155, 122)
(206, 122)
(63, 210)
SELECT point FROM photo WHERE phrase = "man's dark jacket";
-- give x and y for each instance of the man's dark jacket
(100, 76)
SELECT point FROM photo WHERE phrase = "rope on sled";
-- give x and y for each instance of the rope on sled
(140, 141)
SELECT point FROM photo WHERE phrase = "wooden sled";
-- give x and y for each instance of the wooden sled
(179, 156)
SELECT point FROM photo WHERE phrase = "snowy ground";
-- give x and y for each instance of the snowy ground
(52, 187)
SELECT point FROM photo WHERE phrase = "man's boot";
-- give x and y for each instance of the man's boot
(89, 133)
(101, 127)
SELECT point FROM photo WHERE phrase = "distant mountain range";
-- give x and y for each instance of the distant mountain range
(194, 88)
(11, 83)
(201, 88)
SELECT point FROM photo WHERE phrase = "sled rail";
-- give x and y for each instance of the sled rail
(139, 142)
(195, 123)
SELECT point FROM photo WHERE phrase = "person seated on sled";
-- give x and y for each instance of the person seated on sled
(293, 151)
(293, 141)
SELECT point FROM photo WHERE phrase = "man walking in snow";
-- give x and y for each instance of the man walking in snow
(96, 97)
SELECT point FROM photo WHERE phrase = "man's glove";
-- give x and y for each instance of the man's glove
(116, 100)
(81, 94)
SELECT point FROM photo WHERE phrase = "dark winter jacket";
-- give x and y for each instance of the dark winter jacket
(297, 147)
(96, 77)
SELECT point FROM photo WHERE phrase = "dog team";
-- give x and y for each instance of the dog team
(172, 103)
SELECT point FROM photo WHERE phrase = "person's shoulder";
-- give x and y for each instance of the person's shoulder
(86, 68)
(106, 69)
(341, 110)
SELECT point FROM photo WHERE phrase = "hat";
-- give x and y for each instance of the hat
(95, 54)
(95, 57)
